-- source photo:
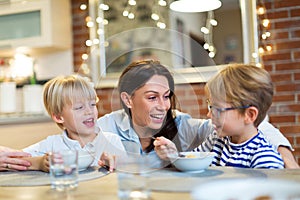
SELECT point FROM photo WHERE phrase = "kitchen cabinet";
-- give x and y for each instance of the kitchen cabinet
(35, 26)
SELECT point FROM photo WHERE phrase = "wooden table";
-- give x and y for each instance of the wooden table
(102, 188)
(167, 184)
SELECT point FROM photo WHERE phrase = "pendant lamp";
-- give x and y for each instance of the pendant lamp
(190, 6)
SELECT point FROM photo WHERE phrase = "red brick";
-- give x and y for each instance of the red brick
(292, 44)
(279, 35)
(296, 55)
(277, 56)
(295, 34)
(296, 76)
(282, 119)
(281, 77)
(267, 67)
(289, 108)
(286, 3)
(284, 98)
(298, 140)
(267, 5)
(291, 129)
(276, 15)
(288, 66)
(287, 24)
(295, 12)
(288, 87)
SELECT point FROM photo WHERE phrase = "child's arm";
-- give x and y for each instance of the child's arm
(164, 148)
(39, 163)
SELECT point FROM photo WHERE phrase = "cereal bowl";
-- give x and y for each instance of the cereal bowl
(85, 159)
(193, 161)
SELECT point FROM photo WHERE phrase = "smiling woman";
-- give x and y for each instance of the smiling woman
(146, 91)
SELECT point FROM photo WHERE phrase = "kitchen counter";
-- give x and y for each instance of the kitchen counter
(20, 118)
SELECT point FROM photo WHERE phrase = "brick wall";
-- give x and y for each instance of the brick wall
(283, 63)
(80, 32)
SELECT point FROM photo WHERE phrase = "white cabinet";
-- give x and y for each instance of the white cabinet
(35, 26)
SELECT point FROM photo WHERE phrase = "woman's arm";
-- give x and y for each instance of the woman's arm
(277, 139)
(288, 158)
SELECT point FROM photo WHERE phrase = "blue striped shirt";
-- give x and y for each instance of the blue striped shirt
(257, 152)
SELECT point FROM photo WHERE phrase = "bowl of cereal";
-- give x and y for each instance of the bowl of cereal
(85, 159)
(192, 161)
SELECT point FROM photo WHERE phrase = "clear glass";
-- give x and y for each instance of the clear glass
(64, 170)
(133, 172)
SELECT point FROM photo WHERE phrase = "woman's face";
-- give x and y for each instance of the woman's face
(150, 103)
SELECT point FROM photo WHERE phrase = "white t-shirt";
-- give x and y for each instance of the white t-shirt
(103, 142)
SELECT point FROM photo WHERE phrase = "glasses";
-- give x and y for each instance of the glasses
(216, 112)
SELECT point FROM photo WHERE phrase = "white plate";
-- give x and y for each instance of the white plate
(247, 189)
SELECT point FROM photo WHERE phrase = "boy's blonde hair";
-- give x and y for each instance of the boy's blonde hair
(64, 90)
(242, 85)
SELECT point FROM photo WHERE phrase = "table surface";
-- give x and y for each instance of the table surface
(164, 183)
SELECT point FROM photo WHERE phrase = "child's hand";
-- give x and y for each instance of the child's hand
(44, 165)
(164, 148)
(107, 160)
(39, 163)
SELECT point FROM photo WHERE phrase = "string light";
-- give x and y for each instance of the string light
(83, 7)
(208, 34)
(263, 29)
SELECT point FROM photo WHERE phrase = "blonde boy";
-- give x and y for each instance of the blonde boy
(71, 103)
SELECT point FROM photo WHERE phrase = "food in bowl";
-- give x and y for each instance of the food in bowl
(193, 161)
(85, 159)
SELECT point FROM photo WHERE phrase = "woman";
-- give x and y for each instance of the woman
(146, 90)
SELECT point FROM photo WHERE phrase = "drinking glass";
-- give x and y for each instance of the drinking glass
(133, 172)
(64, 170)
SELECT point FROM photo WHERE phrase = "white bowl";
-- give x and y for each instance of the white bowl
(85, 159)
(193, 161)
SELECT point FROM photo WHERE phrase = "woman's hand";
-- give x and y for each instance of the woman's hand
(11, 159)
(165, 148)
(108, 160)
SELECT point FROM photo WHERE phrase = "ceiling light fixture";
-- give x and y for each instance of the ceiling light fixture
(195, 5)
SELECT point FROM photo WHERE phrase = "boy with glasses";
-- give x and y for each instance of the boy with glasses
(239, 97)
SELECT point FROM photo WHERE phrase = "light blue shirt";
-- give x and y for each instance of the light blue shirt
(191, 132)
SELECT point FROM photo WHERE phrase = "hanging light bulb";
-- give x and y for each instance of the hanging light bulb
(161, 25)
(261, 50)
(213, 22)
(206, 46)
(195, 5)
(130, 16)
(83, 7)
(103, 6)
(269, 48)
(125, 13)
(204, 30)
(155, 16)
(261, 10)
(162, 3)
(266, 22)
(132, 2)
(211, 54)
